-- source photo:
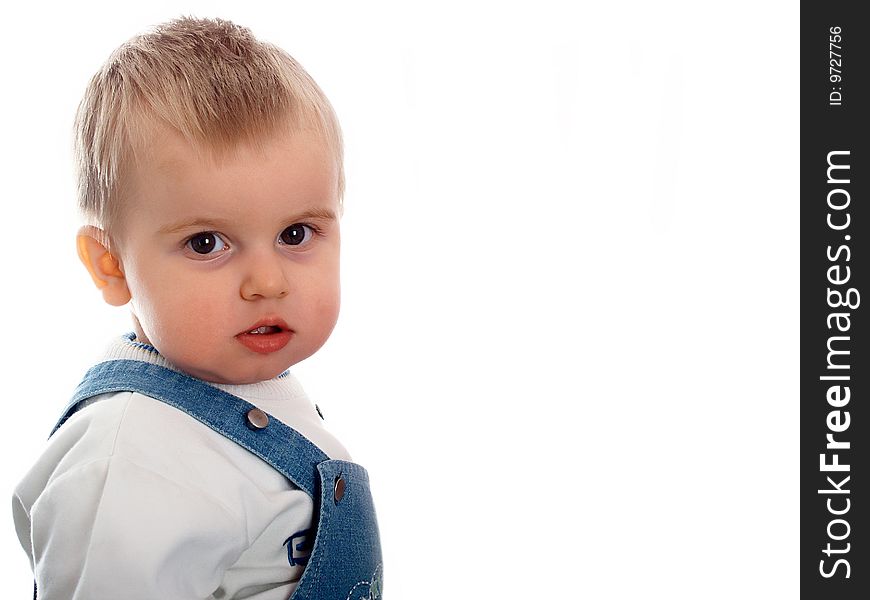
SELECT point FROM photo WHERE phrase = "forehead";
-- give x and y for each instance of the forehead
(290, 170)
(167, 152)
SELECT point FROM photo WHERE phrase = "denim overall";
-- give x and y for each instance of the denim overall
(345, 561)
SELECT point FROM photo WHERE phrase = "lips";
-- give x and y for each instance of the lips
(266, 336)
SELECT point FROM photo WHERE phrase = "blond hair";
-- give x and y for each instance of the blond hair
(209, 80)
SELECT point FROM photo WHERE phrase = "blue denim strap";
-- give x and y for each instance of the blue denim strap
(291, 453)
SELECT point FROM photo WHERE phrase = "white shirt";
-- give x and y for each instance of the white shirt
(133, 498)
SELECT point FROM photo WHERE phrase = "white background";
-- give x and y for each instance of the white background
(568, 351)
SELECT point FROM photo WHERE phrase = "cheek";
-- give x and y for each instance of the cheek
(145, 307)
(171, 315)
(154, 316)
(329, 311)
(146, 289)
(333, 291)
(328, 302)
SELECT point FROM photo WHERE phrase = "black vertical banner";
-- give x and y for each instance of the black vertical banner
(835, 268)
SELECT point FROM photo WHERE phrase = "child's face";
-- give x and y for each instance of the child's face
(233, 267)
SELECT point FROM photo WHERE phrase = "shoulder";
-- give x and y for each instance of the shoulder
(144, 436)
(122, 424)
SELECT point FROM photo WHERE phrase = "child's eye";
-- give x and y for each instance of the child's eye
(207, 242)
(296, 234)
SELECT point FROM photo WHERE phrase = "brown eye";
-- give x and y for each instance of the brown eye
(296, 234)
(207, 242)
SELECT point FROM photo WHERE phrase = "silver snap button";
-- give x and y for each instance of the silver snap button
(339, 488)
(257, 419)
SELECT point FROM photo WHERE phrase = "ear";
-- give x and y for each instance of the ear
(104, 268)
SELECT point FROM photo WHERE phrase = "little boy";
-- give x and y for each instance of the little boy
(190, 463)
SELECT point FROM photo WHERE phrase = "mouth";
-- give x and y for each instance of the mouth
(266, 336)
(265, 329)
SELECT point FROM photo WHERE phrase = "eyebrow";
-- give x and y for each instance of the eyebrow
(196, 223)
(322, 214)
(315, 214)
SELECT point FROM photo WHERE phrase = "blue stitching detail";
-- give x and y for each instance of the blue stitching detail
(131, 339)
(302, 548)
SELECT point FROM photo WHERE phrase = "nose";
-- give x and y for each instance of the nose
(264, 278)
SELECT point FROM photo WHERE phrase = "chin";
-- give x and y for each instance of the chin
(259, 375)
(242, 374)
